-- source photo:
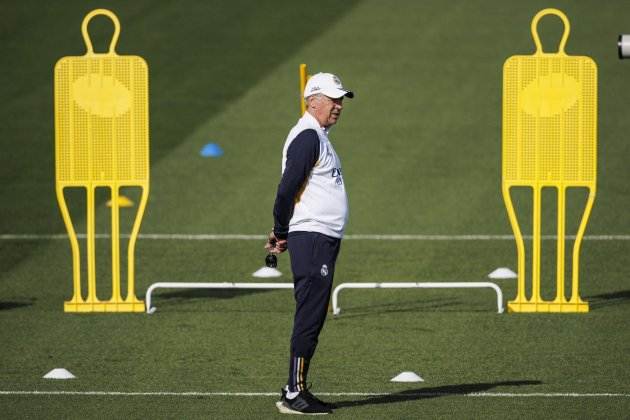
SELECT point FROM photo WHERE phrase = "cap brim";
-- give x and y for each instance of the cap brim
(338, 93)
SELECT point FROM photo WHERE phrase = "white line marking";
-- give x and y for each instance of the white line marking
(329, 394)
(237, 236)
(477, 237)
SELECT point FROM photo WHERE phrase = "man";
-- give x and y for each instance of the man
(310, 214)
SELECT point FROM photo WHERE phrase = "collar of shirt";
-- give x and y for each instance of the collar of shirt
(314, 123)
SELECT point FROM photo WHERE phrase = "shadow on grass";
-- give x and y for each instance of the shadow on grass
(608, 299)
(435, 392)
(442, 304)
(5, 306)
(192, 300)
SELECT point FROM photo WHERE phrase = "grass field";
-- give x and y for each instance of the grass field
(421, 152)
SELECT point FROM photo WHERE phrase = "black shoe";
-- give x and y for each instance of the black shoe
(303, 403)
(308, 391)
(324, 403)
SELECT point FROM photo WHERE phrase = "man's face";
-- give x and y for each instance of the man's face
(328, 110)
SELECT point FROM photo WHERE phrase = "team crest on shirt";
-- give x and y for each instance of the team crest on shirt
(324, 270)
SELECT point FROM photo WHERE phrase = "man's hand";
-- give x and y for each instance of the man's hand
(275, 245)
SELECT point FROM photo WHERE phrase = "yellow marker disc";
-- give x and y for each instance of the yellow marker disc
(122, 202)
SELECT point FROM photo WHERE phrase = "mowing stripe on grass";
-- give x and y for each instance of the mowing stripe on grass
(329, 394)
(368, 237)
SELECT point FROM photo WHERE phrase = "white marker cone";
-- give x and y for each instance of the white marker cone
(407, 376)
(502, 273)
(267, 272)
(59, 373)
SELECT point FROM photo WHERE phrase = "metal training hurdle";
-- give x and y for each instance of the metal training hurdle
(411, 285)
(335, 294)
(225, 285)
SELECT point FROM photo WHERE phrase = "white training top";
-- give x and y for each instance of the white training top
(323, 205)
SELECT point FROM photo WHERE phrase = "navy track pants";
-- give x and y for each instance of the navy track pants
(313, 257)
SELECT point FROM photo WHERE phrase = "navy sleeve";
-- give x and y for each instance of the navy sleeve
(301, 158)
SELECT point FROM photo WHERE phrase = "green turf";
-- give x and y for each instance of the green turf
(420, 146)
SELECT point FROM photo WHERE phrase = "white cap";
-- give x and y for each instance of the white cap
(327, 84)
